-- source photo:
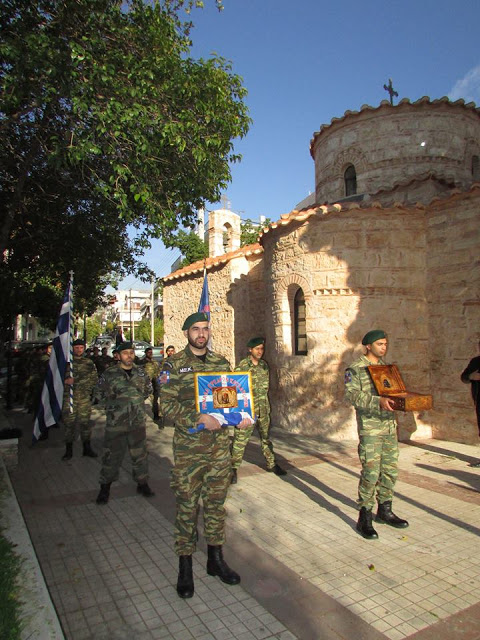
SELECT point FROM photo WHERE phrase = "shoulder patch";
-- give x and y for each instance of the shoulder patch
(168, 364)
(348, 376)
(164, 377)
(185, 370)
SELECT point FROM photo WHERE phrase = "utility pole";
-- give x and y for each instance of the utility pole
(152, 314)
(132, 336)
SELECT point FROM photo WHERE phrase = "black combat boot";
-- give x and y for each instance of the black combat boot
(185, 588)
(68, 451)
(145, 490)
(234, 479)
(385, 515)
(216, 566)
(364, 524)
(88, 451)
(277, 470)
(104, 493)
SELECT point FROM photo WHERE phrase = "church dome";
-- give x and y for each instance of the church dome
(378, 148)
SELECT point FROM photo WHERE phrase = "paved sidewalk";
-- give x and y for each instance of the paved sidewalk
(306, 573)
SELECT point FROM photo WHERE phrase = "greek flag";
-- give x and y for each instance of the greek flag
(205, 303)
(50, 408)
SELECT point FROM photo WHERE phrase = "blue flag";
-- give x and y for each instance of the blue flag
(50, 408)
(204, 301)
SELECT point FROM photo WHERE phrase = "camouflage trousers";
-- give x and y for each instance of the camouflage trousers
(116, 441)
(79, 419)
(379, 457)
(242, 436)
(202, 471)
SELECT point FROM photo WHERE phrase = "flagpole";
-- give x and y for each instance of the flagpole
(70, 349)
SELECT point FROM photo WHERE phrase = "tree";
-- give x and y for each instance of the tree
(111, 135)
(192, 247)
(249, 231)
(144, 330)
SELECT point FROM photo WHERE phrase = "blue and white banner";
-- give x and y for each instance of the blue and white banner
(50, 408)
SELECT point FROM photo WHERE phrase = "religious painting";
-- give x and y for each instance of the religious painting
(227, 393)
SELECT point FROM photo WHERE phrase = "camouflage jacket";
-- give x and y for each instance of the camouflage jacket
(152, 368)
(260, 382)
(177, 391)
(85, 377)
(123, 395)
(361, 393)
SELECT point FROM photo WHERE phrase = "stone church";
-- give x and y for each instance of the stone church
(390, 240)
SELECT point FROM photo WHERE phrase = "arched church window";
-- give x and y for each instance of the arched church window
(227, 237)
(300, 324)
(475, 168)
(350, 178)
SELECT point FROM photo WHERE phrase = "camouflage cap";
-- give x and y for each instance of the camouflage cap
(200, 316)
(254, 342)
(373, 336)
(124, 345)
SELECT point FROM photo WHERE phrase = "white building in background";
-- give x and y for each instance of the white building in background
(127, 308)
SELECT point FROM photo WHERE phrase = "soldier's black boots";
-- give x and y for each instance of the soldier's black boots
(145, 490)
(385, 515)
(104, 493)
(216, 566)
(234, 479)
(364, 524)
(277, 470)
(68, 451)
(88, 451)
(185, 588)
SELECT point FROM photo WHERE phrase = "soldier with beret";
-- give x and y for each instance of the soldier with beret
(378, 443)
(81, 376)
(123, 389)
(152, 369)
(260, 382)
(202, 459)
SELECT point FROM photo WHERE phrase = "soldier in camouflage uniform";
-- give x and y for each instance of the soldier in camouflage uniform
(377, 431)
(202, 459)
(123, 390)
(260, 382)
(83, 382)
(152, 369)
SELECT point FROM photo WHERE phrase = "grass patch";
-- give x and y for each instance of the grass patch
(10, 624)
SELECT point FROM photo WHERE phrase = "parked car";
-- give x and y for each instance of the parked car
(158, 353)
(140, 347)
(105, 341)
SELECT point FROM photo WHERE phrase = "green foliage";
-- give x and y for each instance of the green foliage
(249, 232)
(111, 134)
(10, 624)
(191, 246)
(144, 331)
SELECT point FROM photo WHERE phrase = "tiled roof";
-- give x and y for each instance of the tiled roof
(197, 267)
(385, 103)
(324, 209)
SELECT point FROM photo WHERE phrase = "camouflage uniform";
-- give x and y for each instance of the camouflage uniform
(202, 460)
(123, 394)
(377, 431)
(152, 369)
(260, 383)
(85, 378)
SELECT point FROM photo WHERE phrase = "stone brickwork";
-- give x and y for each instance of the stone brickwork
(389, 145)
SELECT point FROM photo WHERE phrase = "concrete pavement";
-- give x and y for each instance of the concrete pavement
(306, 573)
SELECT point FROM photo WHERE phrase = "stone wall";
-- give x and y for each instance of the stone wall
(388, 145)
(453, 293)
(358, 269)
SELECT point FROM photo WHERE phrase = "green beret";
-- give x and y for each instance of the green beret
(75, 343)
(200, 316)
(373, 336)
(254, 342)
(124, 345)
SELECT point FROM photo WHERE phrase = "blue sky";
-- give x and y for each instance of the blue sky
(305, 62)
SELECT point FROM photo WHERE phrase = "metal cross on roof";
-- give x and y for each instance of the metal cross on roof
(391, 90)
